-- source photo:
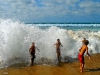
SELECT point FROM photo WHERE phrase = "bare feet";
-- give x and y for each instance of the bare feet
(81, 70)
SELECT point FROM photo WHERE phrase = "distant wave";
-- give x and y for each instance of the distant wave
(68, 25)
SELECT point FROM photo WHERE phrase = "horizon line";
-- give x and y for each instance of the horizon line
(64, 23)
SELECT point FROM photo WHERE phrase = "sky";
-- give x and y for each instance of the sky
(35, 11)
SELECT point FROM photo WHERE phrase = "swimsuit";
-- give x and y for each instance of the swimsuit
(58, 51)
(81, 58)
(33, 55)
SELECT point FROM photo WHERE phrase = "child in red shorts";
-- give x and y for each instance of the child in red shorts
(82, 50)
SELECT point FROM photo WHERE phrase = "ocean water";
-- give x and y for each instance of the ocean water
(74, 27)
(16, 38)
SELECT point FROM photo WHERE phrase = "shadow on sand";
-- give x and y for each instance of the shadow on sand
(92, 70)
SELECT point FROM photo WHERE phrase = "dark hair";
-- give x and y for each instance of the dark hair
(33, 43)
(86, 42)
(58, 39)
(84, 38)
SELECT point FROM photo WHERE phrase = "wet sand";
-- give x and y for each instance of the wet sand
(92, 67)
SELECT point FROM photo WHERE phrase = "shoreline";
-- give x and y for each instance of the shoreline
(92, 67)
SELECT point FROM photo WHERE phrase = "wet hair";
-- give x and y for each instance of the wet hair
(84, 38)
(33, 43)
(58, 39)
(86, 42)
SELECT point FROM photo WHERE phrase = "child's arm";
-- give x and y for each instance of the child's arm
(88, 53)
(37, 48)
(55, 44)
(30, 49)
(61, 44)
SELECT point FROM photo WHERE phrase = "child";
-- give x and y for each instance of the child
(82, 50)
(58, 44)
(32, 52)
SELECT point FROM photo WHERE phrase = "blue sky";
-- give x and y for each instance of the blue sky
(30, 11)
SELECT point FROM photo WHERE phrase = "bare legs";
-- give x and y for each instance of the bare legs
(32, 61)
(58, 56)
(81, 67)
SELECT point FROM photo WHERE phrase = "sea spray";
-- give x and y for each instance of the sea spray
(16, 38)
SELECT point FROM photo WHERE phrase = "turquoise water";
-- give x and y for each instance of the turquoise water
(75, 27)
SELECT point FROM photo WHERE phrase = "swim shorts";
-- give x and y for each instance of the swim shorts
(58, 52)
(81, 58)
(33, 55)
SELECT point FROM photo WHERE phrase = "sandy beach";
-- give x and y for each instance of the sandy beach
(92, 67)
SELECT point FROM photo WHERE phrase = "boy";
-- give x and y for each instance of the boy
(32, 52)
(58, 44)
(82, 50)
